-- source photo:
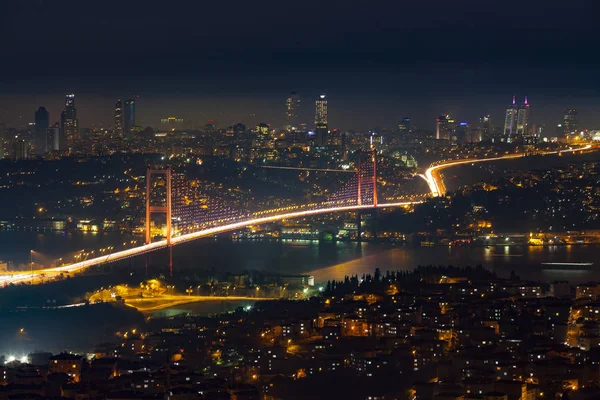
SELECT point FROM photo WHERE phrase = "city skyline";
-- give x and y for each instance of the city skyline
(99, 112)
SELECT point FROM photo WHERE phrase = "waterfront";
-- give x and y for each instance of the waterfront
(325, 261)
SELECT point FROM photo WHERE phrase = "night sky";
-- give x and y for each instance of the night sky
(237, 60)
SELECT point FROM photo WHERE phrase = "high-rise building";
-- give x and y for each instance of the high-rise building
(53, 137)
(523, 119)
(129, 116)
(465, 134)
(485, 127)
(20, 149)
(118, 130)
(405, 126)
(569, 124)
(510, 120)
(445, 127)
(292, 107)
(321, 121)
(42, 121)
(69, 125)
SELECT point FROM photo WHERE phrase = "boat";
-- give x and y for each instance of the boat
(567, 265)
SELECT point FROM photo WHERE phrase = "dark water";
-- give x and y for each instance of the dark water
(324, 261)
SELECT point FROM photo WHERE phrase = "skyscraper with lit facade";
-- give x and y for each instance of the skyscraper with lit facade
(292, 107)
(445, 127)
(42, 121)
(321, 120)
(69, 125)
(570, 124)
(485, 127)
(510, 120)
(118, 130)
(522, 127)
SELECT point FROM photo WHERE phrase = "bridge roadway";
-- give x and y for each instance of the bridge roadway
(436, 186)
(124, 254)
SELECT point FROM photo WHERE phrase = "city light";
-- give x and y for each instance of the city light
(307, 201)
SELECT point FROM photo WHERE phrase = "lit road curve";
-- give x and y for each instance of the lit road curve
(436, 185)
(123, 254)
(150, 304)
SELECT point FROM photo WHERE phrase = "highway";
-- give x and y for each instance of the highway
(436, 187)
(150, 304)
(436, 184)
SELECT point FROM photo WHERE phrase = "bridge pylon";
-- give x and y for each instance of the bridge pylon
(167, 209)
(370, 179)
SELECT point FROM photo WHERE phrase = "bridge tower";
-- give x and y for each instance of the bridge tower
(150, 209)
(364, 168)
(367, 187)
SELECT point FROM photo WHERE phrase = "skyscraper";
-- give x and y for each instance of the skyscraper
(405, 126)
(523, 119)
(292, 106)
(510, 121)
(445, 127)
(570, 121)
(321, 120)
(464, 134)
(118, 131)
(69, 125)
(129, 116)
(42, 121)
(485, 127)
(53, 137)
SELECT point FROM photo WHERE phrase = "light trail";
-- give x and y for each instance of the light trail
(436, 185)
(124, 254)
(155, 304)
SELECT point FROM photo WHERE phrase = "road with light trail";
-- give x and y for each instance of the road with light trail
(436, 184)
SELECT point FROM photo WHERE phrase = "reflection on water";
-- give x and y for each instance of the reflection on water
(325, 261)
(525, 261)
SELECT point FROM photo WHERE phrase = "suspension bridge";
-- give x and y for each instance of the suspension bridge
(186, 220)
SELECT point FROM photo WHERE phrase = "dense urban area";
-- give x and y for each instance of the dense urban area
(428, 332)
(204, 200)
